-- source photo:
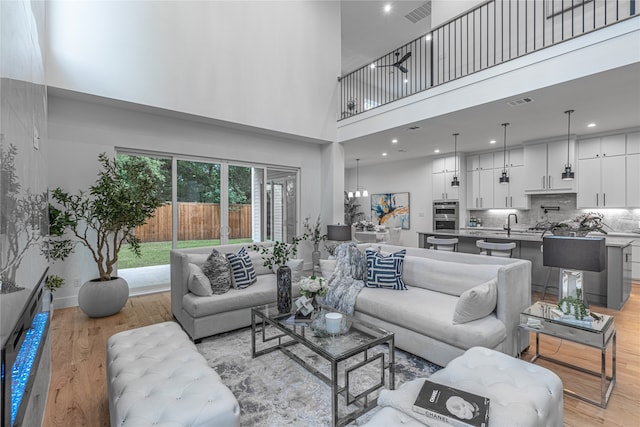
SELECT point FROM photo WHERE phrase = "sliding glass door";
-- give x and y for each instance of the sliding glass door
(244, 194)
(198, 203)
(282, 202)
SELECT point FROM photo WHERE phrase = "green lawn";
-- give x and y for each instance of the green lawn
(157, 253)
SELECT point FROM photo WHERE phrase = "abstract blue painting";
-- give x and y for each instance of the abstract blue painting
(390, 210)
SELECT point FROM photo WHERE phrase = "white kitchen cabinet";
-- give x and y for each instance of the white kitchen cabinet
(544, 165)
(633, 180)
(601, 182)
(516, 157)
(633, 143)
(480, 162)
(611, 145)
(443, 172)
(444, 164)
(510, 195)
(480, 189)
(441, 186)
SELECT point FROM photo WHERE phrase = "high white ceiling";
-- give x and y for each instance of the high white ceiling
(610, 99)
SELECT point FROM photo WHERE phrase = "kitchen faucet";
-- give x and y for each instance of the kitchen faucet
(508, 226)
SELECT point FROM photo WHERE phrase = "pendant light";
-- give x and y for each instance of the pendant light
(454, 181)
(504, 178)
(358, 193)
(568, 174)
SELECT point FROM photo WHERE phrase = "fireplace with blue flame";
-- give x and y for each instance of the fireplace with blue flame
(25, 363)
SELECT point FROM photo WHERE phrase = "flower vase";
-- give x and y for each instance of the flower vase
(315, 257)
(316, 305)
(283, 279)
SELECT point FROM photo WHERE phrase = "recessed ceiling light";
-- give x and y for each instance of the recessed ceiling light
(373, 65)
(394, 141)
(387, 8)
(406, 81)
(384, 154)
(436, 150)
(591, 125)
(493, 141)
(428, 37)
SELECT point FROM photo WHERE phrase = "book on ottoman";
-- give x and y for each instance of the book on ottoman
(451, 405)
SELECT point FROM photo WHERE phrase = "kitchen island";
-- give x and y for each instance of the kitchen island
(610, 288)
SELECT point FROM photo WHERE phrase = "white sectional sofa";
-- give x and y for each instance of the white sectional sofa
(422, 316)
(203, 316)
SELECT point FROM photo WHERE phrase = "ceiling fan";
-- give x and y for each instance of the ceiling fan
(399, 62)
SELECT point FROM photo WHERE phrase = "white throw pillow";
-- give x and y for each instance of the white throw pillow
(476, 303)
(198, 283)
(258, 263)
(327, 266)
(197, 259)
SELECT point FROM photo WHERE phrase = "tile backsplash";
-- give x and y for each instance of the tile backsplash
(619, 220)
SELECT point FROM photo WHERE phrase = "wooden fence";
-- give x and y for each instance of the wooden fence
(198, 221)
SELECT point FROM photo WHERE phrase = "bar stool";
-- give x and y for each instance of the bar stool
(440, 244)
(504, 250)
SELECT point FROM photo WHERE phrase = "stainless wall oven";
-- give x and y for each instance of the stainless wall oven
(445, 216)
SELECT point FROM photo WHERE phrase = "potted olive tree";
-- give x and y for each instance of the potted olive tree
(104, 219)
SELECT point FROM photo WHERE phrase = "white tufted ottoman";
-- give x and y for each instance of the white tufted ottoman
(522, 394)
(156, 377)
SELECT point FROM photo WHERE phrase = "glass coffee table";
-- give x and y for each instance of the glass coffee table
(544, 318)
(359, 348)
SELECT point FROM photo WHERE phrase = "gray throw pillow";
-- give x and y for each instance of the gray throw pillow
(218, 271)
(198, 283)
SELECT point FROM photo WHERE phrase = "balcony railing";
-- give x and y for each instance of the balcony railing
(490, 34)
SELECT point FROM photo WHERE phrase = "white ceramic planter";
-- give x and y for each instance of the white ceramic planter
(101, 299)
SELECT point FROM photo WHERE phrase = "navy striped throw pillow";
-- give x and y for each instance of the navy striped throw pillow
(385, 271)
(242, 270)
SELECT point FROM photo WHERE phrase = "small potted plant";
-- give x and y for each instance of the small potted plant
(314, 234)
(574, 305)
(54, 282)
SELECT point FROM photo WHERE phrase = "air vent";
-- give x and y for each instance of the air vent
(414, 128)
(517, 102)
(402, 150)
(419, 13)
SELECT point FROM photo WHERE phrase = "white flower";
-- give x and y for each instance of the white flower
(313, 285)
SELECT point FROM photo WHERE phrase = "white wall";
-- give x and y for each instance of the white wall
(80, 129)
(268, 64)
(444, 10)
(413, 176)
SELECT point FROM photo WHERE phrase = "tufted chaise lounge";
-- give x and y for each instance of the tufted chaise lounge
(522, 394)
(155, 376)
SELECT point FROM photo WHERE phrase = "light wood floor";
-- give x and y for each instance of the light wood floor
(78, 391)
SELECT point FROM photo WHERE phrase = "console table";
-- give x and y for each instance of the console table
(540, 319)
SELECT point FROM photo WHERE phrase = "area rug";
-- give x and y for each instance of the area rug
(275, 391)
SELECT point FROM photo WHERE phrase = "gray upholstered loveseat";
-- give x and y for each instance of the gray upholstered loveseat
(422, 316)
(203, 316)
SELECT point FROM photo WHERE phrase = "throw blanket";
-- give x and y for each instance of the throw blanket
(347, 279)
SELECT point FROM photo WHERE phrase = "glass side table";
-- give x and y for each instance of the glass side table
(543, 318)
